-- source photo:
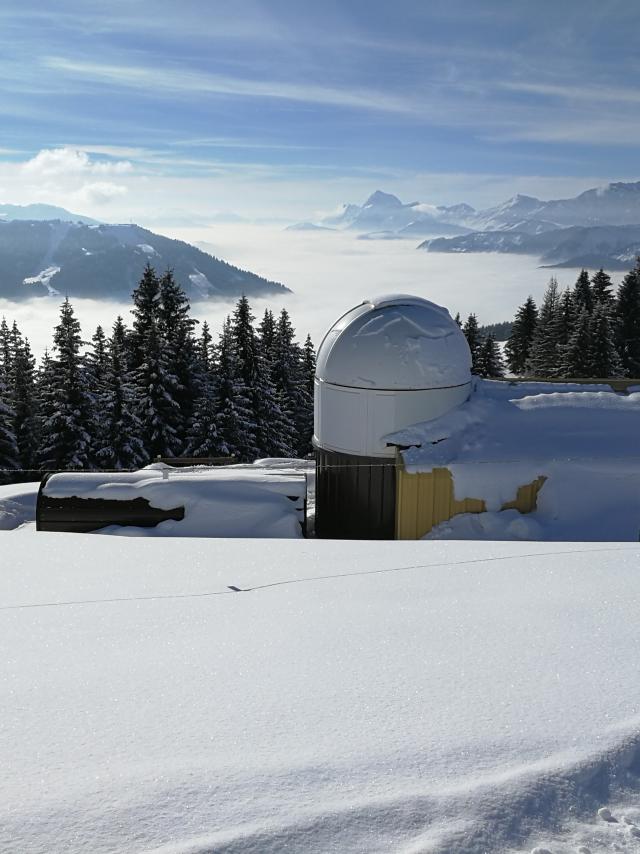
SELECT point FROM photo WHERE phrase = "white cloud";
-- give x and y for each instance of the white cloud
(71, 161)
(100, 192)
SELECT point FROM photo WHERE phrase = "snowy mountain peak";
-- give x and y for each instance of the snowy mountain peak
(380, 199)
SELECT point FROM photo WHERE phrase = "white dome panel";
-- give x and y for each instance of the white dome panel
(395, 342)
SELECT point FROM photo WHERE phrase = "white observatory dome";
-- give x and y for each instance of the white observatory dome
(384, 365)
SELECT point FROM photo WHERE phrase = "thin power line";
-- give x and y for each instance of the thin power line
(232, 588)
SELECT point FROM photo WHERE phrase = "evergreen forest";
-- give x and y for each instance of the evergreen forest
(159, 388)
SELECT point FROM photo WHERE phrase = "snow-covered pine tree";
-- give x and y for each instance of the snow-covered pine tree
(276, 429)
(627, 310)
(122, 446)
(474, 340)
(576, 355)
(582, 294)
(203, 438)
(65, 442)
(519, 342)
(490, 362)
(146, 299)
(25, 405)
(176, 327)
(601, 288)
(9, 455)
(267, 335)
(5, 351)
(268, 423)
(566, 317)
(544, 355)
(95, 374)
(458, 319)
(604, 357)
(156, 389)
(204, 348)
(291, 383)
(309, 365)
(308, 371)
(236, 428)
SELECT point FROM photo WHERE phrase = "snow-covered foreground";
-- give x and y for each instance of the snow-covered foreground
(352, 697)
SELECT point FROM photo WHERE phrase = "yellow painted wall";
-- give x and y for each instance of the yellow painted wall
(426, 499)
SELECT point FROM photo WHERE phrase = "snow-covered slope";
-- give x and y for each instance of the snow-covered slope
(614, 204)
(106, 262)
(359, 697)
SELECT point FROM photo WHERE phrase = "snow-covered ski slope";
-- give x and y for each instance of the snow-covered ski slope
(353, 697)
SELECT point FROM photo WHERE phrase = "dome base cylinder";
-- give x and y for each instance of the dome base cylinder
(355, 497)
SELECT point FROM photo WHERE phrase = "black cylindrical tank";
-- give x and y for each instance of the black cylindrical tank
(355, 496)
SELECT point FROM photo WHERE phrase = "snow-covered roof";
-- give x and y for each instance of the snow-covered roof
(582, 439)
(395, 342)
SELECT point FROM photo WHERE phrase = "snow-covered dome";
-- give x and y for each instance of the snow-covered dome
(386, 364)
(395, 342)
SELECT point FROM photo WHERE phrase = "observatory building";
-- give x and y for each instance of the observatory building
(386, 364)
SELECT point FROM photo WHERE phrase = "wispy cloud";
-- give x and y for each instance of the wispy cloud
(574, 92)
(152, 79)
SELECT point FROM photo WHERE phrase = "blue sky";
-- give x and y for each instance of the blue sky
(199, 108)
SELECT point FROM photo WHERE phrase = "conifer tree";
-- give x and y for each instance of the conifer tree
(5, 351)
(601, 288)
(203, 436)
(544, 355)
(292, 384)
(176, 327)
(458, 319)
(474, 340)
(519, 342)
(25, 408)
(9, 455)
(576, 362)
(156, 388)
(267, 335)
(95, 373)
(146, 299)
(605, 361)
(582, 294)
(490, 362)
(566, 317)
(122, 447)
(628, 321)
(65, 440)
(204, 349)
(235, 426)
(309, 365)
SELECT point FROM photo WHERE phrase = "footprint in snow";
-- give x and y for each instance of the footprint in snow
(584, 850)
(605, 815)
(540, 851)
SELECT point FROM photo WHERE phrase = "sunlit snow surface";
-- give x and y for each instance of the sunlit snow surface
(357, 697)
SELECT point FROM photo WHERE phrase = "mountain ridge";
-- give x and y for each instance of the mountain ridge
(103, 261)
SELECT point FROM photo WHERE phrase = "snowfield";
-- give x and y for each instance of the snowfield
(352, 697)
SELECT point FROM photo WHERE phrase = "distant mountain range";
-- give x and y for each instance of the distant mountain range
(600, 227)
(78, 257)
